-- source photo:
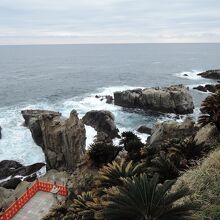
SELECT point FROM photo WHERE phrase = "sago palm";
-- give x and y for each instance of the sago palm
(211, 110)
(113, 173)
(141, 198)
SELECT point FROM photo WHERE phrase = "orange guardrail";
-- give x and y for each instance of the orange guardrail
(30, 192)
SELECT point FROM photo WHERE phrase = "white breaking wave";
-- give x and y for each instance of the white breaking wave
(17, 143)
(192, 75)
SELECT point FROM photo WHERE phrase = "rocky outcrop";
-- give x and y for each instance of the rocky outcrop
(208, 88)
(101, 121)
(16, 172)
(13, 168)
(212, 74)
(62, 139)
(173, 99)
(171, 129)
(108, 98)
(144, 129)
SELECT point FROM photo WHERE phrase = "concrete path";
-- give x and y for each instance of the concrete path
(37, 207)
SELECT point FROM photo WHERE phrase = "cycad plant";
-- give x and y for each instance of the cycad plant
(164, 167)
(141, 198)
(132, 144)
(103, 153)
(211, 110)
(85, 206)
(113, 173)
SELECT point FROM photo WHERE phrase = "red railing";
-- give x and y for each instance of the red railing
(30, 192)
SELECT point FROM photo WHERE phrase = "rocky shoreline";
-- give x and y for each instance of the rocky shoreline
(63, 139)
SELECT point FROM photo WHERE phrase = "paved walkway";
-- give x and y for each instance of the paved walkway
(37, 207)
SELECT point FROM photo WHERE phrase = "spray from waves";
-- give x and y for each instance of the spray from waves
(191, 75)
(17, 143)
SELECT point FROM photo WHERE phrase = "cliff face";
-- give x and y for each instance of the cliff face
(173, 99)
(62, 140)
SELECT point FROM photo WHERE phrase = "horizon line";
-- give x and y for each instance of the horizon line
(115, 43)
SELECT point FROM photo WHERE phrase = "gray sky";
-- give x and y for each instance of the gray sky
(108, 21)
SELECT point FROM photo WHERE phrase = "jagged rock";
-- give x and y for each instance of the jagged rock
(27, 170)
(209, 87)
(200, 88)
(32, 121)
(144, 129)
(62, 140)
(109, 99)
(173, 99)
(171, 129)
(212, 74)
(10, 168)
(101, 121)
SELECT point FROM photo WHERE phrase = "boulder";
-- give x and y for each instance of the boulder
(109, 99)
(171, 129)
(173, 99)
(144, 129)
(212, 74)
(62, 139)
(101, 121)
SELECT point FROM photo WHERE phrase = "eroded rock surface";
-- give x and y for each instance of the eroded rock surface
(62, 139)
(212, 74)
(101, 121)
(173, 99)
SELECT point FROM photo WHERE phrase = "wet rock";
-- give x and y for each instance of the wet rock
(212, 74)
(8, 167)
(173, 99)
(185, 74)
(208, 88)
(0, 132)
(201, 88)
(101, 121)
(62, 139)
(12, 168)
(144, 129)
(11, 183)
(109, 99)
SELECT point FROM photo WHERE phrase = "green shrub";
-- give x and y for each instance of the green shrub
(102, 153)
(141, 198)
(113, 173)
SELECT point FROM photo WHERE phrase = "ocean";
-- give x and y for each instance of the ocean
(66, 77)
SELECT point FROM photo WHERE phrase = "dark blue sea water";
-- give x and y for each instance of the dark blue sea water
(66, 77)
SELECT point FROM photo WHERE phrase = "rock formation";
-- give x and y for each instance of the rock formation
(171, 129)
(101, 121)
(173, 99)
(208, 88)
(62, 140)
(144, 129)
(0, 132)
(212, 74)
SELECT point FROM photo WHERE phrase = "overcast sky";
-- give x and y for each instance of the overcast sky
(108, 21)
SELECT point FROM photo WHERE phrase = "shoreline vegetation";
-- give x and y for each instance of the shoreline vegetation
(173, 175)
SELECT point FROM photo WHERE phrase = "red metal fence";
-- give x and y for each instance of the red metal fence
(30, 192)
